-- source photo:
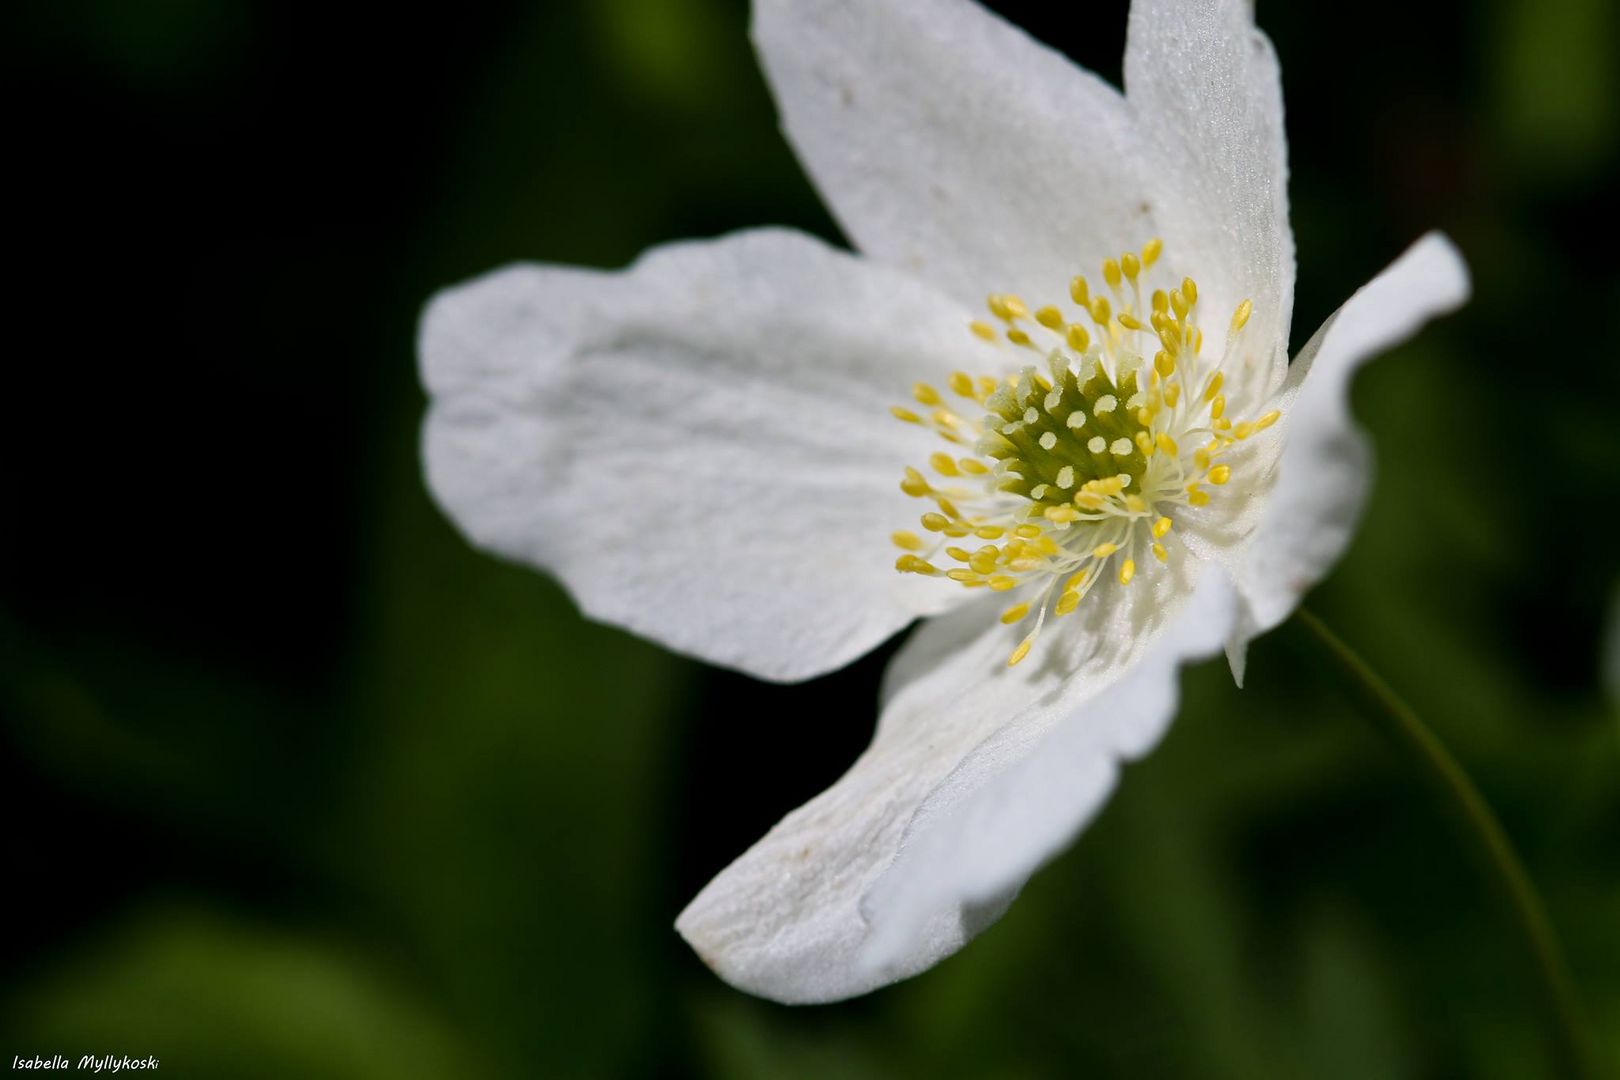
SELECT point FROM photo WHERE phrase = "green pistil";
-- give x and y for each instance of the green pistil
(1028, 464)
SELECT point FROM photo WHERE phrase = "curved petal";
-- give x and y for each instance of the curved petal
(699, 446)
(1323, 471)
(948, 142)
(1204, 86)
(1024, 794)
(784, 921)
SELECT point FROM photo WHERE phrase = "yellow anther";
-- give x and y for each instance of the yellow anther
(1144, 443)
(1088, 500)
(1243, 430)
(1220, 474)
(947, 507)
(900, 412)
(1100, 310)
(1197, 496)
(1129, 322)
(1189, 289)
(1170, 339)
(1111, 273)
(915, 565)
(1164, 364)
(1217, 407)
(1267, 420)
(1017, 336)
(925, 394)
(943, 464)
(1214, 386)
(914, 484)
(997, 305)
(1028, 532)
(956, 530)
(961, 382)
(935, 522)
(1168, 445)
(1161, 304)
(1135, 504)
(1049, 317)
(988, 384)
(1144, 416)
(908, 541)
(1178, 304)
(1201, 456)
(1022, 651)
(1160, 552)
(1061, 513)
(1241, 315)
(1102, 551)
(1078, 338)
(1127, 570)
(961, 575)
(1080, 292)
(1015, 307)
(1066, 603)
(1130, 266)
(1161, 527)
(1198, 341)
(1172, 395)
(1221, 424)
(959, 554)
(1001, 583)
(982, 330)
(1077, 582)
(989, 532)
(1014, 613)
(972, 466)
(1151, 250)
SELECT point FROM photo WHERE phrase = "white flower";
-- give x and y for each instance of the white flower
(701, 447)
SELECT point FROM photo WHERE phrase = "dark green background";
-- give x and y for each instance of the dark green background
(298, 784)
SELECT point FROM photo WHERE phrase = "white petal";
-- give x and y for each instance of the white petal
(1204, 85)
(1026, 793)
(784, 921)
(700, 446)
(1323, 472)
(948, 142)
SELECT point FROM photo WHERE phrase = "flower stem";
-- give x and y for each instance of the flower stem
(1402, 726)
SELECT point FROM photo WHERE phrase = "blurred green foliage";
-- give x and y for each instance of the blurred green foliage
(434, 824)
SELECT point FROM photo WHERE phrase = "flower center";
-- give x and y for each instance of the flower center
(1087, 464)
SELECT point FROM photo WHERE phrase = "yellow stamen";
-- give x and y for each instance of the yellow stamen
(1241, 315)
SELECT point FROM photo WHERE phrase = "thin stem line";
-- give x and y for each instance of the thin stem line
(1401, 724)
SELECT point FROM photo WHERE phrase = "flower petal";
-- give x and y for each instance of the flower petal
(1323, 471)
(1025, 793)
(784, 921)
(700, 446)
(948, 142)
(1204, 86)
